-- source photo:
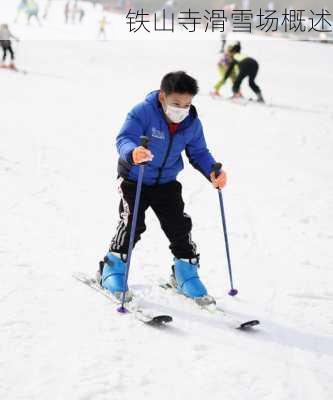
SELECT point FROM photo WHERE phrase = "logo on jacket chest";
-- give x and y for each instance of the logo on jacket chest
(157, 133)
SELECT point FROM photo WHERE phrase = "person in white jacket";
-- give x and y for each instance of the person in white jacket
(6, 44)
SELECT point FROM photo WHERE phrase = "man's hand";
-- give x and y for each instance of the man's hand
(141, 154)
(218, 181)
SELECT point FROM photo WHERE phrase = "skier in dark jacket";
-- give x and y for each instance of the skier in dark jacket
(6, 44)
(170, 121)
(248, 67)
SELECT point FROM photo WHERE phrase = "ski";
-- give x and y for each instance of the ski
(157, 320)
(33, 73)
(215, 309)
(14, 69)
(242, 101)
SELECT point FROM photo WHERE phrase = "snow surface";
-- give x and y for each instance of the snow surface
(60, 340)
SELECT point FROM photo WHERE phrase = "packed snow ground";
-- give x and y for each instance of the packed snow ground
(60, 340)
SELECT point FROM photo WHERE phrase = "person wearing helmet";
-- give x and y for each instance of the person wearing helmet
(248, 67)
(223, 66)
(6, 44)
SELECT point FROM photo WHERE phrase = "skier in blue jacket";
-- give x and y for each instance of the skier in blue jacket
(172, 125)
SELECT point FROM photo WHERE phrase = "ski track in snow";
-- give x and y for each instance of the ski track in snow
(58, 339)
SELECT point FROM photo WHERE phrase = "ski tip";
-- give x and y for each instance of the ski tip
(160, 320)
(249, 324)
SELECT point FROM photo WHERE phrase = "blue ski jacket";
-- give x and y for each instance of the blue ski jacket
(147, 118)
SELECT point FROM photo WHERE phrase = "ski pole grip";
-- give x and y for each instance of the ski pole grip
(216, 168)
(144, 140)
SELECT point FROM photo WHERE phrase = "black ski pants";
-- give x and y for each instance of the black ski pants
(248, 67)
(6, 46)
(167, 203)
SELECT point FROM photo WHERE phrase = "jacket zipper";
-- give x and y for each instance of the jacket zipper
(165, 159)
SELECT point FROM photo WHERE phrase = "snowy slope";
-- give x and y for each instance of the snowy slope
(58, 202)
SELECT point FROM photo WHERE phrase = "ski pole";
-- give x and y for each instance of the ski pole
(216, 168)
(143, 142)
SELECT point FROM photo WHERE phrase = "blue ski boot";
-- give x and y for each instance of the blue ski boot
(111, 276)
(186, 280)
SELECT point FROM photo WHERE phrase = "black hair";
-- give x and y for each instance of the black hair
(236, 48)
(179, 82)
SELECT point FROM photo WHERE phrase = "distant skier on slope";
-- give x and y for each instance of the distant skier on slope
(75, 11)
(66, 11)
(102, 27)
(21, 8)
(82, 13)
(227, 26)
(224, 35)
(171, 122)
(248, 67)
(223, 66)
(6, 45)
(32, 10)
(47, 8)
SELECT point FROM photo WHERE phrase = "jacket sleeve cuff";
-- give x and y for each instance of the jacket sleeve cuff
(128, 156)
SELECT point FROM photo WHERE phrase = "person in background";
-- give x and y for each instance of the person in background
(248, 67)
(47, 9)
(227, 12)
(32, 10)
(224, 36)
(21, 9)
(66, 11)
(75, 10)
(82, 13)
(6, 45)
(223, 66)
(102, 25)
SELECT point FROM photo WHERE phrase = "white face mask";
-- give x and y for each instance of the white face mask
(176, 114)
